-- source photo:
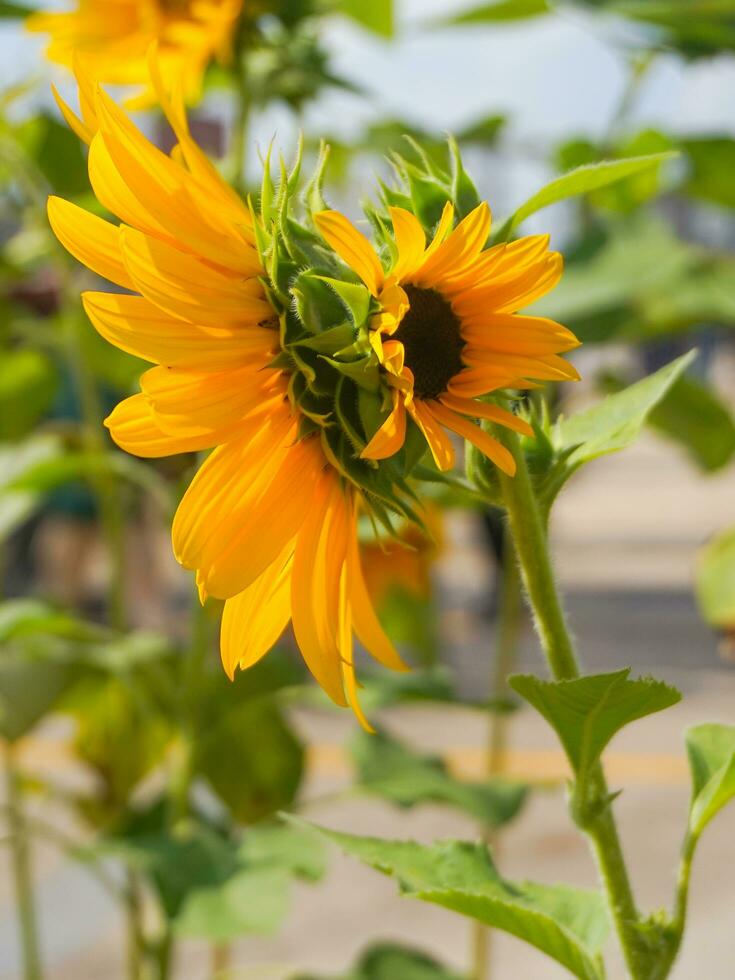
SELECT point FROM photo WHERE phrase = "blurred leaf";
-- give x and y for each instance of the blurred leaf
(484, 131)
(695, 27)
(57, 153)
(582, 181)
(253, 901)
(376, 15)
(588, 711)
(389, 961)
(711, 751)
(23, 617)
(388, 768)
(693, 414)
(385, 689)
(614, 423)
(284, 846)
(252, 783)
(50, 474)
(14, 10)
(568, 924)
(120, 737)
(712, 164)
(715, 581)
(28, 384)
(28, 691)
(502, 10)
(641, 257)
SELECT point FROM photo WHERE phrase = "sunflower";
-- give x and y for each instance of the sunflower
(269, 523)
(448, 330)
(112, 38)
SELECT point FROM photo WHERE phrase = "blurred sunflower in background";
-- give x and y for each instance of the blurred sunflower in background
(448, 328)
(111, 38)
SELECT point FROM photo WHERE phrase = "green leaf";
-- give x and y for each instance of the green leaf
(252, 784)
(391, 770)
(587, 712)
(583, 180)
(614, 423)
(354, 297)
(284, 846)
(28, 382)
(711, 751)
(694, 415)
(502, 10)
(376, 15)
(389, 961)
(568, 924)
(712, 163)
(14, 10)
(253, 901)
(715, 581)
(28, 691)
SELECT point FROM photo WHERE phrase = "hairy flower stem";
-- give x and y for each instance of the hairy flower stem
(21, 866)
(531, 544)
(503, 664)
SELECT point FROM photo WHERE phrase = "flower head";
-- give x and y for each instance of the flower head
(447, 327)
(269, 522)
(111, 38)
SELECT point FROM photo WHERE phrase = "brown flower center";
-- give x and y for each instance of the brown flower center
(432, 339)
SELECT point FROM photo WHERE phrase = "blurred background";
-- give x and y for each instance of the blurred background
(103, 738)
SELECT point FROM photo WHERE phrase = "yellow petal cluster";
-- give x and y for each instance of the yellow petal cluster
(267, 524)
(449, 329)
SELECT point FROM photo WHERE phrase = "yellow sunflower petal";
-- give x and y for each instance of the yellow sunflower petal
(439, 442)
(513, 333)
(411, 242)
(346, 650)
(481, 410)
(468, 430)
(254, 620)
(136, 326)
(183, 286)
(364, 619)
(186, 401)
(391, 435)
(135, 430)
(459, 248)
(91, 240)
(352, 247)
(312, 582)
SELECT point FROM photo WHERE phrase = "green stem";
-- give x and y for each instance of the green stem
(21, 865)
(134, 920)
(510, 618)
(532, 546)
(675, 933)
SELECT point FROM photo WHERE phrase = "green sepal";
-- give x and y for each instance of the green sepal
(355, 297)
(337, 339)
(314, 193)
(317, 308)
(365, 372)
(464, 192)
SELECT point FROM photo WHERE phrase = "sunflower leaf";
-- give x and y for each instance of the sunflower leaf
(609, 426)
(711, 751)
(388, 961)
(501, 10)
(376, 15)
(715, 582)
(588, 711)
(391, 770)
(568, 924)
(590, 177)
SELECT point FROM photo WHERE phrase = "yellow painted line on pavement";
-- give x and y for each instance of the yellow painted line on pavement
(467, 762)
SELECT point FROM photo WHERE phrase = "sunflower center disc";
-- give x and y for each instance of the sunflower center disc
(432, 340)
